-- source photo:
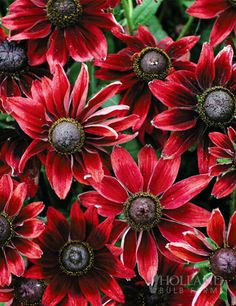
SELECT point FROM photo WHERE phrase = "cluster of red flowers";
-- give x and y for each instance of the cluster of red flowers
(117, 226)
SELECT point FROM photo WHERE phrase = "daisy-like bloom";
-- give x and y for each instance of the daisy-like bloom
(17, 226)
(23, 292)
(223, 10)
(199, 102)
(225, 169)
(219, 254)
(169, 287)
(16, 74)
(152, 207)
(57, 29)
(78, 260)
(143, 60)
(68, 132)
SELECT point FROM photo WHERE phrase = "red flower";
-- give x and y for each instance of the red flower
(78, 259)
(17, 226)
(59, 29)
(153, 209)
(16, 74)
(219, 254)
(143, 60)
(198, 102)
(69, 132)
(224, 10)
(23, 291)
(225, 152)
(169, 287)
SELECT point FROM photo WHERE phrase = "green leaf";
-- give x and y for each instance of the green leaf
(142, 14)
(198, 279)
(203, 264)
(73, 72)
(156, 29)
(112, 101)
(224, 293)
(187, 3)
(133, 147)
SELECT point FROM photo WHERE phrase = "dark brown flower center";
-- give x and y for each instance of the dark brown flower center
(217, 106)
(12, 57)
(223, 263)
(233, 2)
(142, 211)
(66, 136)
(151, 63)
(6, 229)
(64, 13)
(29, 291)
(76, 258)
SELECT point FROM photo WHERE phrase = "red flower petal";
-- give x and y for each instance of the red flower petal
(80, 91)
(172, 94)
(175, 120)
(207, 8)
(15, 262)
(221, 140)
(126, 170)
(57, 52)
(172, 230)
(109, 286)
(164, 175)
(197, 241)
(100, 235)
(208, 293)
(225, 185)
(183, 191)
(6, 188)
(6, 295)
(59, 173)
(35, 147)
(179, 142)
(205, 70)
(231, 237)
(186, 252)
(181, 46)
(223, 26)
(16, 201)
(216, 228)
(147, 161)
(77, 223)
(57, 223)
(28, 248)
(147, 257)
(55, 291)
(129, 242)
(30, 229)
(111, 189)
(105, 207)
(223, 65)
(96, 101)
(30, 211)
(35, 272)
(5, 276)
(89, 290)
(191, 214)
(93, 165)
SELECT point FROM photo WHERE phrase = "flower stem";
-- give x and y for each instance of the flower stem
(233, 202)
(128, 9)
(186, 27)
